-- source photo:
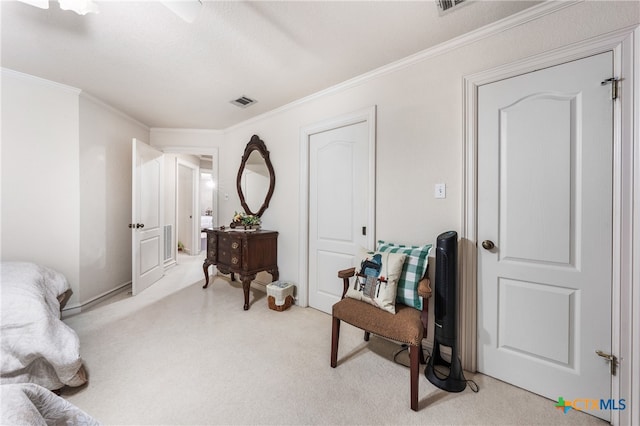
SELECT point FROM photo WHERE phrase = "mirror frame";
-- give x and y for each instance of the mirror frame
(256, 144)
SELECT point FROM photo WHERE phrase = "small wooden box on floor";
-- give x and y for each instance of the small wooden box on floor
(280, 295)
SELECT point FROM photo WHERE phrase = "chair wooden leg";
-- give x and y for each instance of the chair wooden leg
(335, 335)
(414, 359)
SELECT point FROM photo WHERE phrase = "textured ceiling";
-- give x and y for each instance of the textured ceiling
(145, 61)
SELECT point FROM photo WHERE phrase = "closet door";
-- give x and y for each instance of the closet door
(545, 197)
(340, 205)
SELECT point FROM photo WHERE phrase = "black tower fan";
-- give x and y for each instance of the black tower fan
(446, 327)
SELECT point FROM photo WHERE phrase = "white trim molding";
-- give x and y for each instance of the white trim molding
(625, 45)
(367, 115)
(170, 130)
(76, 308)
(113, 110)
(631, 246)
(194, 150)
(39, 80)
(194, 250)
(515, 20)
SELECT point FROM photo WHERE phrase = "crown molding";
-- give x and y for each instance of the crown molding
(179, 130)
(515, 20)
(520, 18)
(38, 80)
(70, 89)
(113, 109)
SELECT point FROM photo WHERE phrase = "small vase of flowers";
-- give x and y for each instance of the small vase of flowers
(245, 221)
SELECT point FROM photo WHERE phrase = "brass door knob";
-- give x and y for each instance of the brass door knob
(488, 244)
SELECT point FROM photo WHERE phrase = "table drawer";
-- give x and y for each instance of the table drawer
(235, 248)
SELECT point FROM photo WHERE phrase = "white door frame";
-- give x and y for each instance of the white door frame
(625, 44)
(191, 150)
(195, 203)
(366, 114)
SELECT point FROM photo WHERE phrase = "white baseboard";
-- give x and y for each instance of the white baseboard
(77, 308)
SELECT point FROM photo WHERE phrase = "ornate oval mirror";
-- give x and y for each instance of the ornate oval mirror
(256, 178)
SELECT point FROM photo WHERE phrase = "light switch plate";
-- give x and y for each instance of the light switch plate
(440, 190)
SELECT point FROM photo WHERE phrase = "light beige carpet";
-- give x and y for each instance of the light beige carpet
(178, 354)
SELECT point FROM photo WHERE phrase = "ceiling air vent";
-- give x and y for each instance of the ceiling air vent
(445, 6)
(243, 102)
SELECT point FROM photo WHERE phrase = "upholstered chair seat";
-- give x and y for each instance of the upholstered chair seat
(408, 326)
(404, 327)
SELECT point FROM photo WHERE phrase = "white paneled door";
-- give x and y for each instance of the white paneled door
(147, 216)
(545, 224)
(340, 203)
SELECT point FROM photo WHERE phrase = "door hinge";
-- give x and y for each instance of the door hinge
(364, 230)
(613, 361)
(614, 86)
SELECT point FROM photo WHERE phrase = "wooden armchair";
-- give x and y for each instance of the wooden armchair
(408, 325)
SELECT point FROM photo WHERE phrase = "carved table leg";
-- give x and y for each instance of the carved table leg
(205, 267)
(246, 285)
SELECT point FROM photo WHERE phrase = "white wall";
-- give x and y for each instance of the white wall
(66, 184)
(40, 174)
(105, 196)
(419, 129)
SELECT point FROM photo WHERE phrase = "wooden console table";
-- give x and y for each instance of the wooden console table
(243, 252)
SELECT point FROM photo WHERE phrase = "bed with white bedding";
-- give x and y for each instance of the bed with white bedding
(36, 346)
(31, 404)
(39, 353)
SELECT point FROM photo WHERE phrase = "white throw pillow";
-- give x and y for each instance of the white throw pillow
(376, 279)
